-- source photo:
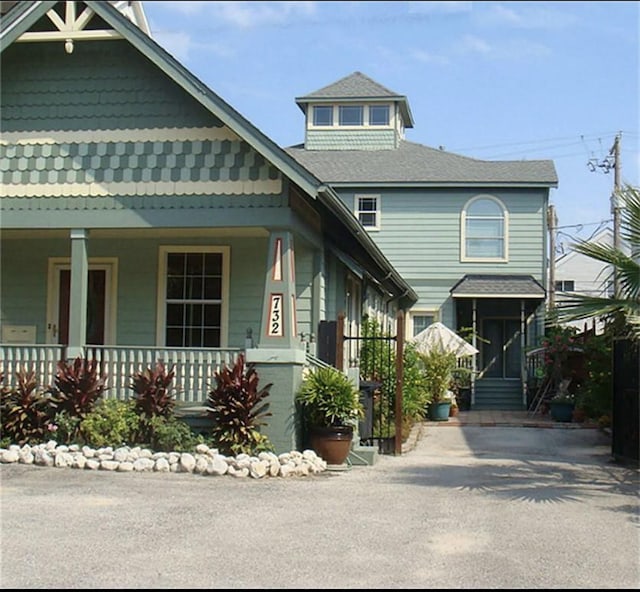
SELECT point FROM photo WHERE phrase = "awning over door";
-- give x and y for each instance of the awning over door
(498, 286)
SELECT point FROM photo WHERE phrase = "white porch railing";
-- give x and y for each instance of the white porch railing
(194, 368)
(43, 359)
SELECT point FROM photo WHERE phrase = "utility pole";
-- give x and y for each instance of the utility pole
(612, 161)
(615, 207)
(552, 222)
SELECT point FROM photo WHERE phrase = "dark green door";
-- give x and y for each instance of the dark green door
(501, 351)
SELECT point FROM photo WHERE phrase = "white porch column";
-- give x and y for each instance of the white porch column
(278, 328)
(78, 292)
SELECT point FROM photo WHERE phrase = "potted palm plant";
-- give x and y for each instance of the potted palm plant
(330, 405)
(438, 367)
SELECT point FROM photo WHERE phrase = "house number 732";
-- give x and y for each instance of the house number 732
(275, 316)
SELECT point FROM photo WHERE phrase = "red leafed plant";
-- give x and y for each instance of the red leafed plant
(24, 409)
(236, 406)
(77, 387)
(154, 391)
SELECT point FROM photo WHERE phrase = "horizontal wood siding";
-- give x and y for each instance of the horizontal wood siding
(304, 289)
(420, 232)
(23, 281)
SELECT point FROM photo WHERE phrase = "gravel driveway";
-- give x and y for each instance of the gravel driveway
(468, 507)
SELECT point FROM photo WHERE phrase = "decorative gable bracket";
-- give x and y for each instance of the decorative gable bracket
(74, 27)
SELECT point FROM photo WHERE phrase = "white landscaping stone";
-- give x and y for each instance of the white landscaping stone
(10, 456)
(187, 462)
(108, 465)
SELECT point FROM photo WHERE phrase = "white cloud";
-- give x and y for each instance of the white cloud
(246, 15)
(453, 7)
(181, 46)
(525, 15)
(178, 44)
(428, 57)
(473, 44)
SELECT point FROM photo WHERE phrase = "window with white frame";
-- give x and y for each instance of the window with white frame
(368, 210)
(194, 296)
(484, 229)
(379, 115)
(421, 320)
(350, 115)
(323, 115)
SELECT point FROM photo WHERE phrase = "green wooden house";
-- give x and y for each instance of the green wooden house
(143, 219)
(470, 236)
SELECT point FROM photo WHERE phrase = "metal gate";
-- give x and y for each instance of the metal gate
(377, 352)
(626, 409)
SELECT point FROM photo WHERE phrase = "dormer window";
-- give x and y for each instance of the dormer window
(379, 115)
(350, 115)
(323, 115)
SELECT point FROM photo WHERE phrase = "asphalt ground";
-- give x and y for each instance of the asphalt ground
(486, 507)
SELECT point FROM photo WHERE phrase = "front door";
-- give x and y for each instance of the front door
(97, 305)
(501, 348)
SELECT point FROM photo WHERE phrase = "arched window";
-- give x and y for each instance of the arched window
(484, 229)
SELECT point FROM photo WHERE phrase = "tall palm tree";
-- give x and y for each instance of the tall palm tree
(622, 311)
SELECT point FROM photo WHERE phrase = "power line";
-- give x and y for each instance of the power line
(593, 135)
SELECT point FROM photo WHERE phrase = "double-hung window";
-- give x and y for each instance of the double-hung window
(421, 320)
(193, 283)
(484, 230)
(368, 211)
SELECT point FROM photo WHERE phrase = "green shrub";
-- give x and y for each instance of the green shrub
(171, 434)
(236, 406)
(415, 395)
(111, 423)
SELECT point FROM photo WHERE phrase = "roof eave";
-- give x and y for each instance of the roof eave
(504, 184)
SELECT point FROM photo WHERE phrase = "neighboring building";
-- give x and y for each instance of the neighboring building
(470, 236)
(576, 273)
(144, 219)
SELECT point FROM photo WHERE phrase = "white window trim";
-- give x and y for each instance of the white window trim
(463, 232)
(431, 312)
(378, 210)
(365, 116)
(162, 287)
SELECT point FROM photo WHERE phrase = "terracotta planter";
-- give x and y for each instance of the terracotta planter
(331, 443)
(453, 410)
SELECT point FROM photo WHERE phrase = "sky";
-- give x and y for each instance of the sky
(488, 80)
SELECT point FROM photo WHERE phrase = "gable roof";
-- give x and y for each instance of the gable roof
(23, 15)
(357, 87)
(498, 286)
(416, 164)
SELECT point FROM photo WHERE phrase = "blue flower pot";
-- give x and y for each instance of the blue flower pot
(439, 411)
(561, 411)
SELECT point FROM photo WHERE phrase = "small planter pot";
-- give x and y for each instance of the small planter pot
(439, 411)
(561, 411)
